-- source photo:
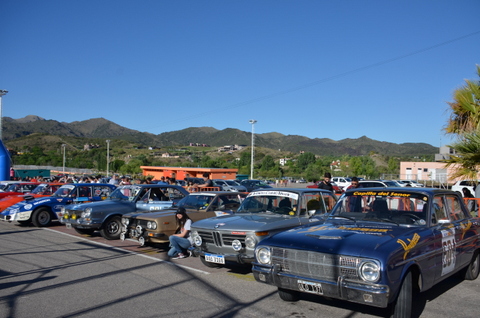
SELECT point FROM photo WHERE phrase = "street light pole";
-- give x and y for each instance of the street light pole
(2, 92)
(108, 156)
(252, 121)
(63, 147)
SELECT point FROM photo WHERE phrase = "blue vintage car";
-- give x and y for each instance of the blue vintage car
(379, 246)
(41, 211)
(106, 216)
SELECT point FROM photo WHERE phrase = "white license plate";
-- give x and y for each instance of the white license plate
(212, 258)
(310, 287)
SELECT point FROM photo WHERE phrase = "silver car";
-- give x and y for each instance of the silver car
(262, 214)
(229, 185)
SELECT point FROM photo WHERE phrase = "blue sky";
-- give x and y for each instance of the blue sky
(320, 69)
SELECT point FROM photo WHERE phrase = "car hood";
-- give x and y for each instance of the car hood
(102, 205)
(245, 222)
(347, 238)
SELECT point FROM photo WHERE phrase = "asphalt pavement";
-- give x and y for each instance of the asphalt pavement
(54, 272)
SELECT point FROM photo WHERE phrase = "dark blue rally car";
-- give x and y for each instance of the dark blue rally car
(378, 246)
(41, 211)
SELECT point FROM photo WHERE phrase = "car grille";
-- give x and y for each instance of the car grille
(315, 265)
(220, 239)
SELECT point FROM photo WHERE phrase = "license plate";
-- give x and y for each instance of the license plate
(310, 287)
(212, 258)
(69, 225)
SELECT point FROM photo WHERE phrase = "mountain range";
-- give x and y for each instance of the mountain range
(100, 128)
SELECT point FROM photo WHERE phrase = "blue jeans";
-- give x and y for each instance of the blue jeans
(178, 245)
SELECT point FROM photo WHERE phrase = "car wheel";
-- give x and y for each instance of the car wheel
(473, 268)
(84, 231)
(41, 217)
(112, 228)
(288, 295)
(209, 264)
(402, 308)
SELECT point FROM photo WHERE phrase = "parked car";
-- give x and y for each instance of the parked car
(106, 216)
(377, 183)
(469, 184)
(18, 188)
(229, 185)
(377, 247)
(262, 214)
(41, 211)
(42, 190)
(342, 182)
(336, 188)
(158, 226)
(252, 184)
(411, 183)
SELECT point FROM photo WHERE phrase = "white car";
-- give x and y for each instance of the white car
(469, 184)
(342, 182)
(413, 184)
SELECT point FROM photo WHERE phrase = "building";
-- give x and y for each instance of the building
(181, 173)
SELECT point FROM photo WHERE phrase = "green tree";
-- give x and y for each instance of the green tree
(464, 123)
(305, 159)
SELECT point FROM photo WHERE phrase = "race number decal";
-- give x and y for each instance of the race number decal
(448, 251)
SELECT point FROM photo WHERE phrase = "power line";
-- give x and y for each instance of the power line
(324, 80)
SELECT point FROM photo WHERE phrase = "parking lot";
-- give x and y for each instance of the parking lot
(54, 272)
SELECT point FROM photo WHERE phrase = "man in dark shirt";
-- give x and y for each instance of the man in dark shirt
(325, 184)
(208, 183)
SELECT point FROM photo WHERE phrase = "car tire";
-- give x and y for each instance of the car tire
(473, 269)
(41, 217)
(288, 295)
(84, 231)
(209, 264)
(402, 307)
(112, 228)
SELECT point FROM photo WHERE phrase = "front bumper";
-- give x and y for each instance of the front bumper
(240, 258)
(368, 294)
(143, 236)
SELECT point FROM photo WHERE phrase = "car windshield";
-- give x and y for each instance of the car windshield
(64, 191)
(40, 189)
(127, 193)
(278, 202)
(231, 183)
(196, 202)
(399, 207)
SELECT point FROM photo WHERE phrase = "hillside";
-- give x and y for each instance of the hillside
(15, 130)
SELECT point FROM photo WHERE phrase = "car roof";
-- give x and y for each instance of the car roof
(429, 191)
(297, 190)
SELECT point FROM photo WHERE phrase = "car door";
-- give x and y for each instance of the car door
(449, 222)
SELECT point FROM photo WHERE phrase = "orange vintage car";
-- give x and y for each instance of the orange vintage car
(41, 190)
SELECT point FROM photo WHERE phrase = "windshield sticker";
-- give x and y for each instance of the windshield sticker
(411, 244)
(274, 193)
(360, 230)
(383, 193)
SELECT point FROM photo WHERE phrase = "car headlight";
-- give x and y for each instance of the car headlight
(152, 225)
(86, 213)
(263, 255)
(369, 271)
(237, 245)
(196, 238)
(125, 221)
(250, 241)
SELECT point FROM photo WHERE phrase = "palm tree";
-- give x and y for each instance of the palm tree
(464, 122)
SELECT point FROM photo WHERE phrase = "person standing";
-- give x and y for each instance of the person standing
(325, 183)
(180, 241)
(208, 183)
